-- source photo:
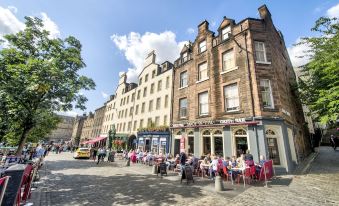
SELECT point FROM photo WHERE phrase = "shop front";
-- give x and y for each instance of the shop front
(157, 142)
(273, 139)
(218, 137)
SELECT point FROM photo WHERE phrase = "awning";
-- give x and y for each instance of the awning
(92, 141)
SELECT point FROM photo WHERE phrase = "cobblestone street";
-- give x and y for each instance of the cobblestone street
(65, 181)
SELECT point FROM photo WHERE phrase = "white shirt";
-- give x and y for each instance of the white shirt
(214, 164)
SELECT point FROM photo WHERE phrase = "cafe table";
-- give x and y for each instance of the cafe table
(238, 169)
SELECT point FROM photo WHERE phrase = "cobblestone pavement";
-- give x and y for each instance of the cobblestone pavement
(66, 181)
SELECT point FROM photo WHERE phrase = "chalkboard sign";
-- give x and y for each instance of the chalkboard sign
(162, 169)
(16, 173)
(187, 174)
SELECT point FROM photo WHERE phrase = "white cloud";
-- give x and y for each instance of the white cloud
(333, 11)
(8, 22)
(295, 52)
(50, 26)
(213, 24)
(104, 95)
(68, 113)
(13, 9)
(190, 31)
(136, 47)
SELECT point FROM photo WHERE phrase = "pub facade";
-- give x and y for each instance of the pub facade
(232, 92)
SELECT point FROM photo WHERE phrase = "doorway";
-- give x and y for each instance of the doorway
(176, 146)
(147, 145)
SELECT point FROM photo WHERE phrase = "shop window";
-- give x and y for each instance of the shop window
(206, 136)
(218, 143)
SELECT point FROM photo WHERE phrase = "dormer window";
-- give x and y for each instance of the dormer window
(184, 57)
(225, 32)
(202, 46)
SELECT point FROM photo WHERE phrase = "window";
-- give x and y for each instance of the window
(136, 109)
(231, 98)
(159, 85)
(183, 79)
(131, 111)
(124, 100)
(146, 78)
(125, 113)
(184, 57)
(145, 92)
(157, 121)
(260, 52)
(141, 124)
(121, 102)
(226, 32)
(202, 71)
(153, 74)
(129, 127)
(166, 101)
(158, 103)
(143, 107)
(183, 108)
(202, 46)
(135, 125)
(150, 106)
(167, 82)
(127, 100)
(228, 61)
(124, 126)
(138, 96)
(266, 93)
(152, 88)
(149, 122)
(140, 81)
(165, 120)
(133, 97)
(122, 114)
(203, 103)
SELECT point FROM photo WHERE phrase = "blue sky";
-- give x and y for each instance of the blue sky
(116, 35)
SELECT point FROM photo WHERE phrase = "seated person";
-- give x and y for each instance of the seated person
(249, 159)
(205, 165)
(260, 164)
(226, 161)
(214, 167)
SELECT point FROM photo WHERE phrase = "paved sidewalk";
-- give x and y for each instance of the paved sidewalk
(81, 182)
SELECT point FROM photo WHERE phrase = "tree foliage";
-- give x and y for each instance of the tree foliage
(38, 75)
(319, 83)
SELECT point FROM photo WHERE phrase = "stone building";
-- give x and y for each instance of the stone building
(86, 133)
(77, 129)
(140, 105)
(98, 121)
(64, 130)
(234, 92)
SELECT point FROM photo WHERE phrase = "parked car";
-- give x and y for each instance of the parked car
(82, 153)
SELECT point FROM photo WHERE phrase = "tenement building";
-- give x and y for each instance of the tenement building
(143, 105)
(86, 133)
(64, 129)
(77, 129)
(234, 92)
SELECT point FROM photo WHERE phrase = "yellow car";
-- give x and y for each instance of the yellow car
(82, 153)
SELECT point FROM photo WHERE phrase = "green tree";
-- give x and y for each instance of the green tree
(319, 84)
(39, 75)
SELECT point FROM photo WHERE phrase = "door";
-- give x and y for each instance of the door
(176, 146)
(241, 145)
(147, 145)
(273, 151)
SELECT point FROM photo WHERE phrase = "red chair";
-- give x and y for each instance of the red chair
(246, 175)
(226, 173)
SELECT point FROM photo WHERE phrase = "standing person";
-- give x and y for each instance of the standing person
(94, 154)
(333, 141)
(183, 158)
(101, 155)
(214, 167)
